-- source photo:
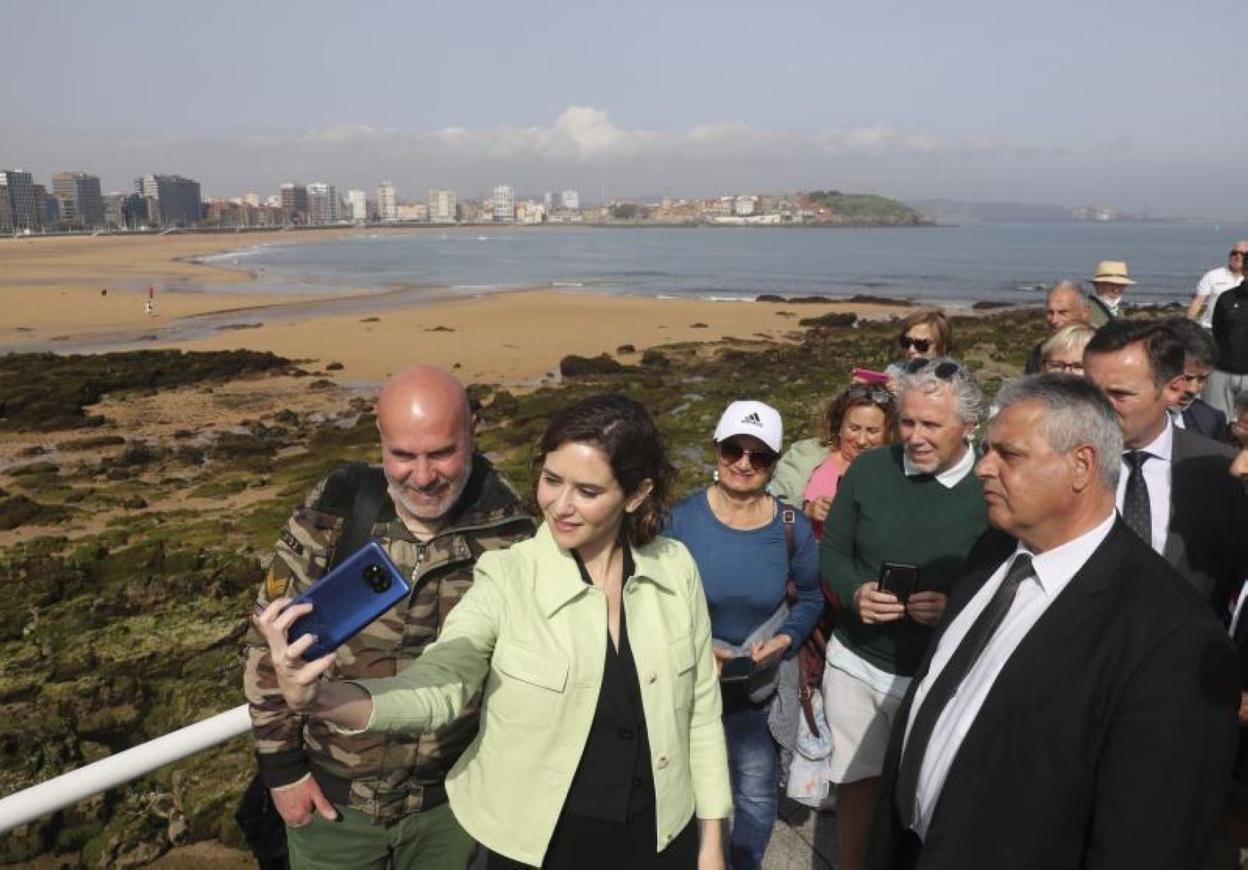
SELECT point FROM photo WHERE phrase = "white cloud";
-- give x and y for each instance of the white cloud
(344, 134)
(583, 146)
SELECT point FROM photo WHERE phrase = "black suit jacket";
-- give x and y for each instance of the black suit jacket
(1204, 419)
(1106, 741)
(1208, 536)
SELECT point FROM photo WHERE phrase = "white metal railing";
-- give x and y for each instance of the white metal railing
(69, 788)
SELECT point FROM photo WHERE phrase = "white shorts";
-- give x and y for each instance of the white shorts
(861, 720)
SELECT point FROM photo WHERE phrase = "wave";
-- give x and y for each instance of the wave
(637, 273)
(226, 256)
(699, 297)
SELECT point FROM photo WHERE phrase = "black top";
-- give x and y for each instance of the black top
(613, 781)
(1230, 329)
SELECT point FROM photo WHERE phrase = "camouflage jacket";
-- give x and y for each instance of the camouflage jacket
(382, 776)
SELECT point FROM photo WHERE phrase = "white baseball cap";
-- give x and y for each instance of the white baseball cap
(748, 417)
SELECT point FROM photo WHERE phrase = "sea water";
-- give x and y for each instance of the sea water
(935, 265)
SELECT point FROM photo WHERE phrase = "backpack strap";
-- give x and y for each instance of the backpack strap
(356, 493)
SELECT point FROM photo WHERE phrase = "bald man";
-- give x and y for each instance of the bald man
(435, 505)
(1065, 304)
(1217, 281)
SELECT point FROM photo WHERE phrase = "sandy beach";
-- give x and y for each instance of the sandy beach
(50, 290)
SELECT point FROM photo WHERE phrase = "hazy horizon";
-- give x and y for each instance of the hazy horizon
(1117, 105)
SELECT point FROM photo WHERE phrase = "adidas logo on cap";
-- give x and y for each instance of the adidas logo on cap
(755, 419)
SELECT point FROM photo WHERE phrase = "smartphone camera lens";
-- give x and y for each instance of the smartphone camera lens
(376, 577)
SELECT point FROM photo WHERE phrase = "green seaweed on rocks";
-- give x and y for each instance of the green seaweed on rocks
(46, 391)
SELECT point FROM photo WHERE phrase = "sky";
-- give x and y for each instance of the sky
(1138, 105)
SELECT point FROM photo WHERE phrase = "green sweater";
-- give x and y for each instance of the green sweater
(880, 515)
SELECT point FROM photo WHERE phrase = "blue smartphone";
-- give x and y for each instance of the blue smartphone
(363, 587)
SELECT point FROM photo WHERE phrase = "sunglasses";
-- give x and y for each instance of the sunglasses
(760, 460)
(878, 395)
(922, 345)
(945, 370)
(1238, 254)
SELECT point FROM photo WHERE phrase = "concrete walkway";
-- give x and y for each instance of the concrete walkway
(802, 840)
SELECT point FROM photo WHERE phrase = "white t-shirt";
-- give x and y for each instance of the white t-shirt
(1214, 284)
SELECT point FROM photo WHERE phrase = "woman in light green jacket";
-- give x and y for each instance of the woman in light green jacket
(600, 737)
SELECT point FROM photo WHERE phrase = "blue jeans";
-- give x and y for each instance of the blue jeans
(752, 761)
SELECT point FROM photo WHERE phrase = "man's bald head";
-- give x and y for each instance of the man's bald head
(1065, 304)
(422, 394)
(426, 440)
(1239, 257)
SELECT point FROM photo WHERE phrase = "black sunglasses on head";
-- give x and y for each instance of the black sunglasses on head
(760, 460)
(922, 345)
(945, 370)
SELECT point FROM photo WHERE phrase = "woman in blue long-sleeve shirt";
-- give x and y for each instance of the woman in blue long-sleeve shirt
(736, 533)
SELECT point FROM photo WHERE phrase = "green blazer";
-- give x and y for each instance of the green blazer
(531, 633)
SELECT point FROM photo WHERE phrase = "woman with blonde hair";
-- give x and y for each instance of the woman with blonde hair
(1063, 351)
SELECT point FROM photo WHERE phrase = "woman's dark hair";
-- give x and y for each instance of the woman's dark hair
(940, 326)
(624, 430)
(858, 396)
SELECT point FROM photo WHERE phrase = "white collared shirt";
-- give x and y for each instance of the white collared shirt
(1054, 570)
(1157, 479)
(951, 476)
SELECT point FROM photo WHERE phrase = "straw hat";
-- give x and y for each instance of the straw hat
(1112, 272)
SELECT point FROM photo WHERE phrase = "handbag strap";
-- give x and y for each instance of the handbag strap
(788, 517)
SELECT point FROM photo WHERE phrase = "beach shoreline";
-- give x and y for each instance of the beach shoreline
(53, 299)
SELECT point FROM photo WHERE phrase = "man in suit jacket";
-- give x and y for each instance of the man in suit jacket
(1203, 419)
(1174, 490)
(1200, 354)
(1077, 707)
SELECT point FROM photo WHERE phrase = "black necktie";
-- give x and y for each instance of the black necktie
(1135, 509)
(946, 684)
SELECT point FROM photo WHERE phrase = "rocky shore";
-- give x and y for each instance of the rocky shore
(138, 511)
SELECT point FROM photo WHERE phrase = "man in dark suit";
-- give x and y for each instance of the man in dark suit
(1077, 707)
(1174, 490)
(1200, 354)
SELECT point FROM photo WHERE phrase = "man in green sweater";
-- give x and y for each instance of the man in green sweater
(915, 503)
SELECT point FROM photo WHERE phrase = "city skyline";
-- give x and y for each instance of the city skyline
(1064, 105)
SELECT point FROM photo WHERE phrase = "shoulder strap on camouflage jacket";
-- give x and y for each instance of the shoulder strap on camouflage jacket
(356, 492)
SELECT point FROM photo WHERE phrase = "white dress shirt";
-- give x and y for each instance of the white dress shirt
(1054, 570)
(1157, 479)
(951, 476)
